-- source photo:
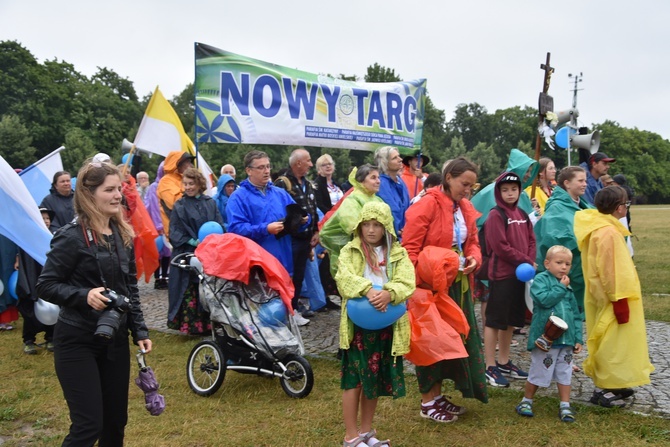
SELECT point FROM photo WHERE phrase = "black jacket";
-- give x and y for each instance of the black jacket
(303, 196)
(62, 206)
(71, 271)
(322, 194)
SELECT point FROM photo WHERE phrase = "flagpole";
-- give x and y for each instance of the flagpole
(41, 160)
(195, 108)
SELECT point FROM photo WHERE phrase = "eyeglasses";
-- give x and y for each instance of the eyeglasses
(626, 204)
(267, 167)
(325, 165)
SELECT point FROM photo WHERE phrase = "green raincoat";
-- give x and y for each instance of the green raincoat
(518, 163)
(556, 228)
(352, 284)
(338, 230)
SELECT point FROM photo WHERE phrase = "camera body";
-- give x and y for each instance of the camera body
(110, 320)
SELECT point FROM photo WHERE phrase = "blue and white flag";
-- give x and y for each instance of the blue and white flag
(38, 176)
(21, 220)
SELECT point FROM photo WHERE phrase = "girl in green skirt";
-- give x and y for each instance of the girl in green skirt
(376, 268)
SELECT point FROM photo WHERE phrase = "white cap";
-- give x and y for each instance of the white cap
(101, 157)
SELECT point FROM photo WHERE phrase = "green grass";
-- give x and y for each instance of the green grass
(651, 226)
(253, 411)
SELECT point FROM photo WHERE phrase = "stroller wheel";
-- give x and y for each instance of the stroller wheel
(206, 368)
(298, 379)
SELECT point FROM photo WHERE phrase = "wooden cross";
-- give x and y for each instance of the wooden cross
(548, 71)
(546, 103)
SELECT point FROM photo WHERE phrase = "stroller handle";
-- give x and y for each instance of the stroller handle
(184, 261)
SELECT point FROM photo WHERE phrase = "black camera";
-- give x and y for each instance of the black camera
(110, 320)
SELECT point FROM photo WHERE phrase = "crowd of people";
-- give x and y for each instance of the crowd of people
(394, 234)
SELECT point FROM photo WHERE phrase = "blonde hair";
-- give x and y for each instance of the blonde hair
(325, 158)
(89, 178)
(556, 249)
(368, 250)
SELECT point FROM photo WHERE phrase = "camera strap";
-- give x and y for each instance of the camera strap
(92, 243)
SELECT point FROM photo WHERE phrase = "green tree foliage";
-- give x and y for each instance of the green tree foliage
(642, 156)
(52, 100)
(46, 105)
(15, 142)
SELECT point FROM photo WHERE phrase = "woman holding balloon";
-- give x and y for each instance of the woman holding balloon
(372, 267)
(189, 214)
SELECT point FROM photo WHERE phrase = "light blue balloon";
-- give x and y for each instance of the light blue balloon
(73, 182)
(525, 272)
(160, 243)
(563, 135)
(273, 313)
(364, 314)
(11, 284)
(208, 228)
(124, 159)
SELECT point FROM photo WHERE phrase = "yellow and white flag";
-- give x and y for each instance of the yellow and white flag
(161, 132)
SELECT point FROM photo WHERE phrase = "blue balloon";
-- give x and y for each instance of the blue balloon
(364, 315)
(160, 243)
(273, 313)
(525, 272)
(208, 228)
(124, 159)
(73, 182)
(563, 135)
(11, 284)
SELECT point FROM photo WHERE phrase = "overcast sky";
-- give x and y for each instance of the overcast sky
(487, 52)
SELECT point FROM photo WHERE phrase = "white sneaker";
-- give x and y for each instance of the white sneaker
(299, 319)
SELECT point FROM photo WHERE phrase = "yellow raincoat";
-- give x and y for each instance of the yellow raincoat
(618, 356)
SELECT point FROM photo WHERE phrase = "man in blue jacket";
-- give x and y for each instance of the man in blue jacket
(597, 166)
(257, 210)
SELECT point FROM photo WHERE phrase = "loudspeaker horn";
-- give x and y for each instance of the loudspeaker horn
(126, 145)
(590, 142)
(567, 115)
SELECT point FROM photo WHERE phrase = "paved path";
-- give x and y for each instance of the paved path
(321, 338)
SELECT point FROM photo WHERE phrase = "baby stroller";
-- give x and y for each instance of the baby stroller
(252, 333)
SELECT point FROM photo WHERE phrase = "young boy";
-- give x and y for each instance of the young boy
(29, 271)
(552, 295)
(511, 241)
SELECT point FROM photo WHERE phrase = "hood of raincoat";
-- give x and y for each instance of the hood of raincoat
(354, 183)
(171, 161)
(223, 180)
(160, 172)
(519, 163)
(380, 212)
(588, 221)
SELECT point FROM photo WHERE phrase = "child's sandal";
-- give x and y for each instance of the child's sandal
(437, 413)
(371, 440)
(449, 406)
(358, 441)
(565, 414)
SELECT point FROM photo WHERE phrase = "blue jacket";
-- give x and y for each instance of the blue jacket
(249, 212)
(592, 185)
(396, 196)
(221, 198)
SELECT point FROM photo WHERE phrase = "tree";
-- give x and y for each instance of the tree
(15, 142)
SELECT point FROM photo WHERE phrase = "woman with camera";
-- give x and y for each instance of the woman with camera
(90, 272)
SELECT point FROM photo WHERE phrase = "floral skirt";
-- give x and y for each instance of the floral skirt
(191, 318)
(368, 363)
(468, 374)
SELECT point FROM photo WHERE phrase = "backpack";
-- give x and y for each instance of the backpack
(483, 272)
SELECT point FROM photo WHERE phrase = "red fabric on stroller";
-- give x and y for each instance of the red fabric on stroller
(230, 256)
